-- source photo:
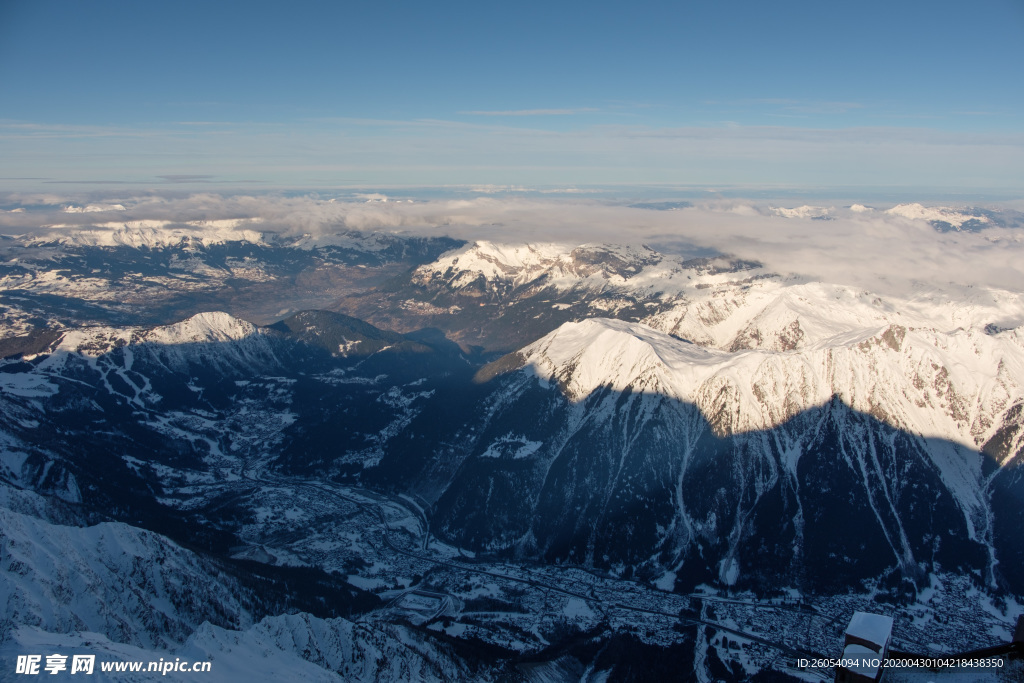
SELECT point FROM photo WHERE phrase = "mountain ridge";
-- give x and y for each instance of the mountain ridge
(662, 428)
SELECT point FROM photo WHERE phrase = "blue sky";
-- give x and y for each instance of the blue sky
(837, 94)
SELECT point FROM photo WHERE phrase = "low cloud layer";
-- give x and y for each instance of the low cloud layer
(555, 147)
(858, 246)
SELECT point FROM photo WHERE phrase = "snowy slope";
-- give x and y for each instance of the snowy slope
(215, 339)
(201, 328)
(150, 233)
(135, 586)
(286, 647)
(760, 462)
(718, 303)
(337, 647)
(955, 386)
(508, 266)
(959, 388)
(154, 233)
(954, 217)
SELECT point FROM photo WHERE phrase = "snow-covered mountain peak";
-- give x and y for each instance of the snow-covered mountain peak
(556, 264)
(952, 216)
(956, 386)
(200, 328)
(94, 208)
(603, 352)
(815, 212)
(493, 260)
(150, 233)
(212, 326)
(716, 302)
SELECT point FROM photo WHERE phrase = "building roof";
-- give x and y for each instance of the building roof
(871, 628)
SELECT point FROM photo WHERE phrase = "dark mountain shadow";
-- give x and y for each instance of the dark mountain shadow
(113, 402)
(35, 341)
(344, 335)
(629, 483)
(635, 483)
(125, 434)
(1007, 496)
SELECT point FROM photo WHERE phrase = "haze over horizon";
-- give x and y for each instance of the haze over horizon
(801, 95)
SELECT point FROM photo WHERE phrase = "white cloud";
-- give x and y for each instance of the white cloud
(873, 250)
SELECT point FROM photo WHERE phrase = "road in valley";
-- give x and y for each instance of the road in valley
(368, 502)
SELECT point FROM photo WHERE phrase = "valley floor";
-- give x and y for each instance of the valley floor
(532, 611)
